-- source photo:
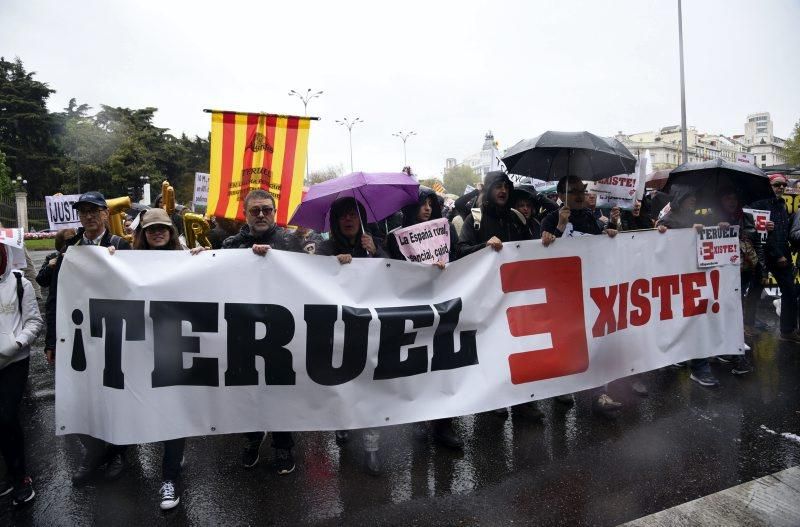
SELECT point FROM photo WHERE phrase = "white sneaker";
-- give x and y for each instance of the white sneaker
(169, 496)
(746, 347)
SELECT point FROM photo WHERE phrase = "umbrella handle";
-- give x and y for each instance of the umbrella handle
(361, 221)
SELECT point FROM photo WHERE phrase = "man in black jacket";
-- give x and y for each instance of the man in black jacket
(576, 214)
(779, 258)
(261, 234)
(494, 222)
(93, 215)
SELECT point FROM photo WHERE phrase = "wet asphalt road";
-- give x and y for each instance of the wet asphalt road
(571, 468)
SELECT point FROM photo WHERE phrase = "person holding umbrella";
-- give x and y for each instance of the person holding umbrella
(348, 240)
(530, 203)
(575, 212)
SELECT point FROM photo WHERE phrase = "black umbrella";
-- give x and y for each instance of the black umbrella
(707, 178)
(554, 155)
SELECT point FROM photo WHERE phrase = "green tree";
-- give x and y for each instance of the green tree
(428, 182)
(793, 146)
(329, 172)
(27, 129)
(6, 185)
(457, 178)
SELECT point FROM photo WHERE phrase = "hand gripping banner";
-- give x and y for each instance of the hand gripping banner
(154, 345)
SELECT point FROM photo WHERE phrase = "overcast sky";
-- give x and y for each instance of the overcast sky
(448, 70)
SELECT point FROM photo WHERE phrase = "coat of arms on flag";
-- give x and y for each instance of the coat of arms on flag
(256, 150)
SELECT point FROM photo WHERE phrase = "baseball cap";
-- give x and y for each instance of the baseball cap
(93, 197)
(155, 216)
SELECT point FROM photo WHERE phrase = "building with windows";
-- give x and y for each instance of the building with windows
(769, 150)
(482, 162)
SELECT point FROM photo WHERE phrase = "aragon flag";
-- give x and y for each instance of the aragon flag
(256, 150)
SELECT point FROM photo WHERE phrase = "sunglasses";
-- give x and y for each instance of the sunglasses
(257, 211)
(778, 185)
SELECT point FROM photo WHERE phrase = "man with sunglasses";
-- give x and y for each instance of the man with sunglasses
(779, 258)
(261, 234)
(93, 215)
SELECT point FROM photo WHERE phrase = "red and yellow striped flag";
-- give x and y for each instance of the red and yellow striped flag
(438, 187)
(250, 151)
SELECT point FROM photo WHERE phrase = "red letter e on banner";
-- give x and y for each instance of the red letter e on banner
(561, 316)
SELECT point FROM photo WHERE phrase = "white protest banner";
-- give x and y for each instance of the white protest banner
(644, 168)
(747, 159)
(14, 239)
(468, 189)
(717, 246)
(616, 191)
(760, 218)
(154, 345)
(60, 214)
(427, 242)
(201, 182)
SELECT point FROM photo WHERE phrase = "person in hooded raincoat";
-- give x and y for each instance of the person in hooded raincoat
(349, 240)
(494, 222)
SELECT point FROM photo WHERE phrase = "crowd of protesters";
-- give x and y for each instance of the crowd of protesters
(484, 219)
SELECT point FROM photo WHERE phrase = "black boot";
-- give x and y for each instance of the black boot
(86, 470)
(342, 437)
(115, 466)
(445, 434)
(372, 463)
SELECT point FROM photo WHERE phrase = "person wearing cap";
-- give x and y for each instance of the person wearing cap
(156, 232)
(93, 215)
(260, 234)
(778, 255)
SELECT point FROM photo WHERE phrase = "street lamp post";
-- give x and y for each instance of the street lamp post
(684, 145)
(404, 136)
(349, 124)
(305, 98)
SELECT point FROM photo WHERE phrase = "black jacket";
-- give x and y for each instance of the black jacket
(677, 218)
(777, 245)
(582, 220)
(410, 218)
(46, 272)
(337, 243)
(495, 221)
(107, 240)
(276, 237)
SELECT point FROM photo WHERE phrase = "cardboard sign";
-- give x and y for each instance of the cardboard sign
(760, 217)
(60, 214)
(616, 191)
(427, 242)
(201, 181)
(716, 247)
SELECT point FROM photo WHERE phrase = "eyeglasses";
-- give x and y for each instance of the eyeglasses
(94, 211)
(778, 185)
(257, 211)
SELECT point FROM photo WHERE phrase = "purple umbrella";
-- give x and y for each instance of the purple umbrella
(381, 194)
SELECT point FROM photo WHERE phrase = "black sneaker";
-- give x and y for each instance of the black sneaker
(5, 487)
(724, 359)
(705, 379)
(24, 493)
(741, 367)
(445, 434)
(284, 461)
(168, 496)
(567, 399)
(250, 454)
(529, 411)
(342, 437)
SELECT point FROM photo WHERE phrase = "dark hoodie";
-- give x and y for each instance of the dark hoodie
(337, 243)
(496, 220)
(677, 217)
(541, 205)
(276, 237)
(410, 218)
